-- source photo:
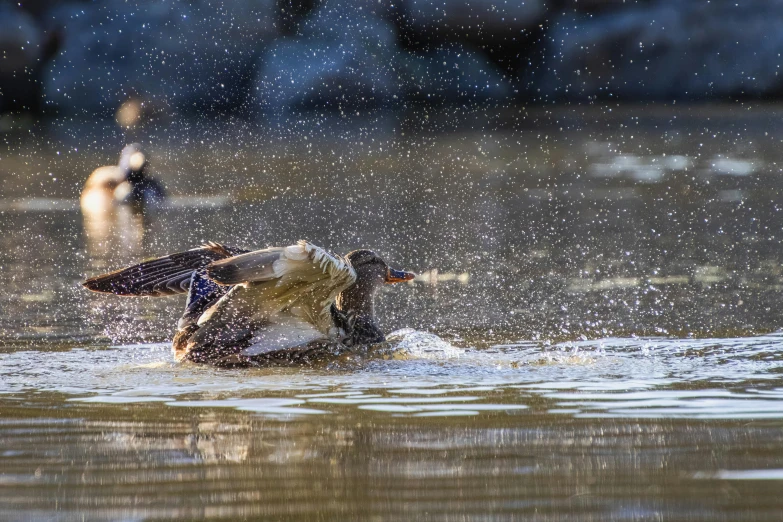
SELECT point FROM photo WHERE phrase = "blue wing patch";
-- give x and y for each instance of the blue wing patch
(202, 294)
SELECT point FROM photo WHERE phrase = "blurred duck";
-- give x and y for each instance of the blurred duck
(277, 304)
(125, 183)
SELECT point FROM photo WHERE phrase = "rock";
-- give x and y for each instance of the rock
(485, 20)
(664, 50)
(20, 40)
(592, 6)
(452, 73)
(191, 56)
(343, 56)
(22, 47)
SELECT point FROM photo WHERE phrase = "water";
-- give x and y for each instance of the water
(593, 335)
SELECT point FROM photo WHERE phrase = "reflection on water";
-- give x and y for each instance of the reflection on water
(112, 231)
(154, 461)
(591, 336)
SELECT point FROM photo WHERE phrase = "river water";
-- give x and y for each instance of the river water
(593, 335)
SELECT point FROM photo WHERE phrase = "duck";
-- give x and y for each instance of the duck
(248, 308)
(125, 183)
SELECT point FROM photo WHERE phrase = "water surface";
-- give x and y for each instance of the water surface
(594, 334)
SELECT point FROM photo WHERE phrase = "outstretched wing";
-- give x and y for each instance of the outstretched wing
(163, 276)
(300, 281)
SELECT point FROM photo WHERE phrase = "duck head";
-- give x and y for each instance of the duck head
(133, 162)
(357, 301)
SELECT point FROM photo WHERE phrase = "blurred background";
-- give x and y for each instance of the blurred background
(259, 57)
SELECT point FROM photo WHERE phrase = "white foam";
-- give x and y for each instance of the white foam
(414, 344)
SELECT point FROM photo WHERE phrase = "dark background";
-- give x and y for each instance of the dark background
(255, 58)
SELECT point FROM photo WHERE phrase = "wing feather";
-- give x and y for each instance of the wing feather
(248, 267)
(168, 275)
(287, 333)
(302, 280)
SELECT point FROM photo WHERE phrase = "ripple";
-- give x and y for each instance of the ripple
(446, 413)
(744, 474)
(442, 407)
(439, 391)
(119, 399)
(395, 400)
(259, 405)
(611, 377)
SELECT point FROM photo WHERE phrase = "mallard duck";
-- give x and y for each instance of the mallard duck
(127, 182)
(246, 308)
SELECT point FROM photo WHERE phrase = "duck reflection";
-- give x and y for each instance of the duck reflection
(114, 231)
(209, 440)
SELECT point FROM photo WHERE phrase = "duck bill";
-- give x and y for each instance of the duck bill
(398, 276)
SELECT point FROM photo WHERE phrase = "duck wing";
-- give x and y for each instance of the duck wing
(168, 275)
(304, 279)
(280, 298)
(286, 333)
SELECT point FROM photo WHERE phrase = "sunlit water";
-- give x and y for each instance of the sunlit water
(593, 335)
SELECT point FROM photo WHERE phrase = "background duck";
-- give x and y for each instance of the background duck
(248, 308)
(124, 183)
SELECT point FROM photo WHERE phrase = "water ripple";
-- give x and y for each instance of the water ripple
(420, 373)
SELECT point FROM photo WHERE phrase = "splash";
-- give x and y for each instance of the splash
(408, 344)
